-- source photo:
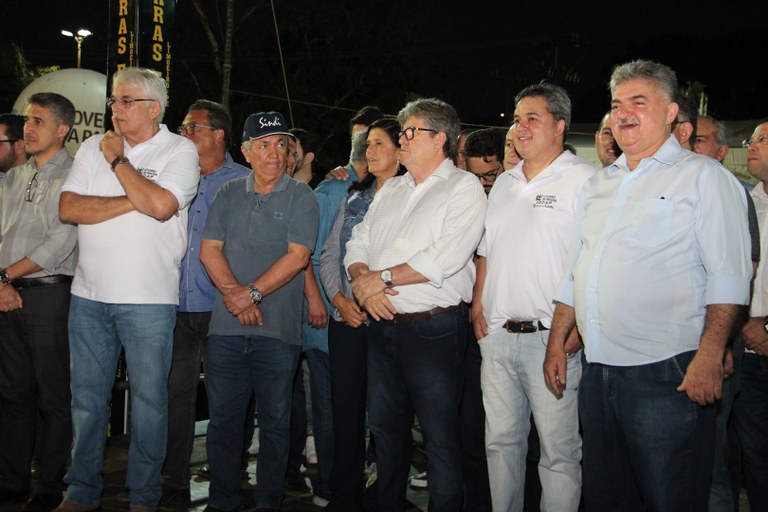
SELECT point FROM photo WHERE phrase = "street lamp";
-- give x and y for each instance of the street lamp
(79, 37)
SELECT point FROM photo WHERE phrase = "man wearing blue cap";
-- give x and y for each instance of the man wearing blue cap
(257, 240)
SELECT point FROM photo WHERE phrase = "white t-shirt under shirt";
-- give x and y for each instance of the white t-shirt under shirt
(134, 258)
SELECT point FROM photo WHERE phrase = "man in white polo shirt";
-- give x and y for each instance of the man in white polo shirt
(128, 191)
(528, 228)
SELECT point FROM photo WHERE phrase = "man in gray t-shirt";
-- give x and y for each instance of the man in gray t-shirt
(257, 240)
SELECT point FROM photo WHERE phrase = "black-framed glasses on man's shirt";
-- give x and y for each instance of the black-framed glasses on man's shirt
(31, 189)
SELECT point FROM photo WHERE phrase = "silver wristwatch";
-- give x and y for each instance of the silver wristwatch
(386, 276)
(256, 296)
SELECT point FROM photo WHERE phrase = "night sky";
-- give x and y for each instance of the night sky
(476, 55)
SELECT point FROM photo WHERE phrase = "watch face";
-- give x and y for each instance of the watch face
(386, 276)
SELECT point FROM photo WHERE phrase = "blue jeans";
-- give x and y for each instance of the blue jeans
(751, 414)
(96, 333)
(417, 367)
(645, 443)
(237, 367)
(322, 418)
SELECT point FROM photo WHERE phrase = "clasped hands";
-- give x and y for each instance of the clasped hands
(371, 293)
(237, 300)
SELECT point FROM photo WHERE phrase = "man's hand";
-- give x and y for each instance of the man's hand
(350, 312)
(111, 145)
(703, 380)
(369, 284)
(237, 299)
(317, 313)
(378, 306)
(728, 363)
(251, 316)
(754, 333)
(479, 324)
(339, 173)
(9, 298)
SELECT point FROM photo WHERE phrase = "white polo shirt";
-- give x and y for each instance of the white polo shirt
(529, 227)
(133, 258)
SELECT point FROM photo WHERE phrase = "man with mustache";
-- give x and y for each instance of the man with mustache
(655, 297)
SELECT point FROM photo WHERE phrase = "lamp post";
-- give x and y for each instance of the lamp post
(79, 38)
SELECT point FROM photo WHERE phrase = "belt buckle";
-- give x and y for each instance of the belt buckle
(522, 327)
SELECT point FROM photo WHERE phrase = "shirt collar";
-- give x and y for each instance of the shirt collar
(669, 153)
(60, 159)
(442, 172)
(279, 186)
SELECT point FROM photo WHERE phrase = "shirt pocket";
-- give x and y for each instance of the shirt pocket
(654, 220)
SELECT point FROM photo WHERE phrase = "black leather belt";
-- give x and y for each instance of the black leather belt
(524, 327)
(405, 318)
(31, 282)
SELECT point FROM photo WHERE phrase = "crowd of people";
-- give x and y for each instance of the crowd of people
(509, 296)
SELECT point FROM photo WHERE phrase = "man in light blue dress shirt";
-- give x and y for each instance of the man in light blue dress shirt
(659, 267)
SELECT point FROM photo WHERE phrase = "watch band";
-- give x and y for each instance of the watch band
(120, 159)
(4, 276)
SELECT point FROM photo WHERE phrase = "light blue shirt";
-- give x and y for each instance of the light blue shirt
(329, 194)
(196, 291)
(654, 247)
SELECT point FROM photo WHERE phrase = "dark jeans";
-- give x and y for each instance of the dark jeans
(645, 443)
(237, 367)
(417, 367)
(299, 422)
(349, 373)
(751, 413)
(322, 419)
(34, 382)
(188, 346)
(477, 493)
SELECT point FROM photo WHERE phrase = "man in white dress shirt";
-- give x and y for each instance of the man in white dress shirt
(410, 262)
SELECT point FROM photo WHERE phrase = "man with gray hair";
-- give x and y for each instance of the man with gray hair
(711, 138)
(655, 297)
(512, 307)
(128, 191)
(37, 260)
(410, 261)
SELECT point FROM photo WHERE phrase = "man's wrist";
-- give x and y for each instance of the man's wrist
(4, 277)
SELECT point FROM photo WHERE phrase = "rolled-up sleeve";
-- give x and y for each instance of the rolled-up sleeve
(723, 235)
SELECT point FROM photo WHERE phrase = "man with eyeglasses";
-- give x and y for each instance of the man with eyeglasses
(484, 154)
(410, 261)
(751, 405)
(128, 191)
(37, 260)
(529, 224)
(12, 152)
(209, 126)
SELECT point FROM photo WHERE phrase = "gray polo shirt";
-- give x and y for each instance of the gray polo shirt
(256, 230)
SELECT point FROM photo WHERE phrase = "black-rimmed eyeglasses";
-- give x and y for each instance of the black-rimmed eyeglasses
(490, 175)
(410, 132)
(31, 188)
(125, 101)
(190, 128)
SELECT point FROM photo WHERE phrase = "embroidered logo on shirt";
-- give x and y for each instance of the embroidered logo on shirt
(150, 174)
(545, 201)
(278, 216)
